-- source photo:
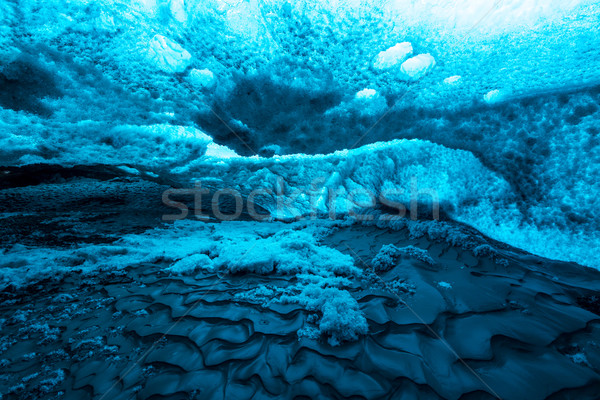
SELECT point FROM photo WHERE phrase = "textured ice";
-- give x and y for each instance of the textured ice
(202, 78)
(168, 55)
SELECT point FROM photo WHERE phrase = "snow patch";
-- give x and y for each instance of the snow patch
(444, 285)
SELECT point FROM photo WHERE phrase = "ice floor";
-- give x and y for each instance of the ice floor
(115, 304)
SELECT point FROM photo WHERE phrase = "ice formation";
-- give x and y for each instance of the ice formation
(233, 248)
(202, 78)
(393, 56)
(418, 66)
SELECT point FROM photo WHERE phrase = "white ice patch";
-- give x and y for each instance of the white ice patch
(368, 101)
(393, 56)
(418, 66)
(493, 96)
(202, 78)
(366, 94)
(167, 55)
(453, 80)
(444, 285)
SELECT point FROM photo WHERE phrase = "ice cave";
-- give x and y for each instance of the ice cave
(260, 199)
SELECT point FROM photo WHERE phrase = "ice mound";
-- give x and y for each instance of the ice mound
(418, 66)
(393, 56)
(167, 55)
